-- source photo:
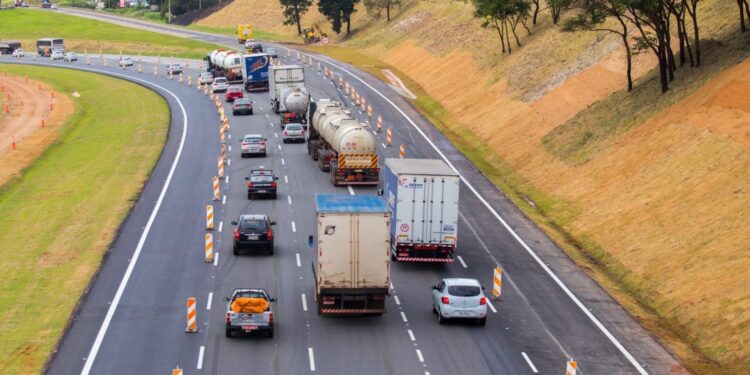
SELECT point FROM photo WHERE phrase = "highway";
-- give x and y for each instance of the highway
(132, 321)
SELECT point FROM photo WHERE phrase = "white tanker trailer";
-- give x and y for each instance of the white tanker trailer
(225, 63)
(343, 146)
(294, 105)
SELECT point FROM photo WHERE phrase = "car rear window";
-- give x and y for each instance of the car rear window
(253, 139)
(464, 290)
(294, 127)
(252, 225)
(242, 101)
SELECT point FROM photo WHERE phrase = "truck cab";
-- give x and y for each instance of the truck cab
(249, 311)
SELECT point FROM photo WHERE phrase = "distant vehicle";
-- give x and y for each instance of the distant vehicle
(225, 63)
(244, 33)
(220, 84)
(45, 46)
(125, 61)
(46, 4)
(423, 196)
(351, 267)
(271, 51)
(293, 133)
(313, 34)
(249, 43)
(242, 106)
(459, 299)
(205, 78)
(70, 57)
(261, 182)
(8, 46)
(249, 311)
(255, 48)
(233, 92)
(18, 53)
(174, 69)
(252, 144)
(253, 232)
(57, 55)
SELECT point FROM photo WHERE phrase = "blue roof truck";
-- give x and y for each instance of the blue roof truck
(422, 195)
(352, 268)
(255, 71)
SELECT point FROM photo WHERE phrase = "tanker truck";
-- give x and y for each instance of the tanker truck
(225, 63)
(344, 147)
(294, 106)
(284, 79)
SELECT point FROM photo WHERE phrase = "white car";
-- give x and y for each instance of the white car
(18, 53)
(293, 133)
(174, 69)
(205, 78)
(125, 61)
(249, 43)
(70, 57)
(459, 299)
(220, 84)
(57, 55)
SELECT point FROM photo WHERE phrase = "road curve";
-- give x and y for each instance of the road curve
(538, 326)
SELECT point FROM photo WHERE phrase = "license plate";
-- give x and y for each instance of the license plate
(261, 191)
(463, 313)
(252, 237)
(249, 328)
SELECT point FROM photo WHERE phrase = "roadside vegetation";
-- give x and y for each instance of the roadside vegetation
(59, 217)
(86, 35)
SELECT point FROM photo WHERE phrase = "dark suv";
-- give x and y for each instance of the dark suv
(253, 232)
(261, 182)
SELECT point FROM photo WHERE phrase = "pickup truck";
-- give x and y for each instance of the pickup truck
(261, 182)
(249, 311)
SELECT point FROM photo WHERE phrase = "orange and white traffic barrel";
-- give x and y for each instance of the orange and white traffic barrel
(369, 111)
(571, 368)
(209, 254)
(192, 324)
(497, 282)
(217, 189)
(209, 217)
(388, 136)
(380, 123)
(220, 164)
(401, 151)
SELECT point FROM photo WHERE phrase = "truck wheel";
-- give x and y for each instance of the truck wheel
(434, 310)
(228, 332)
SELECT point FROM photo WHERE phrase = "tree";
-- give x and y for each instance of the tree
(338, 12)
(504, 16)
(744, 10)
(556, 7)
(651, 17)
(593, 15)
(382, 4)
(293, 10)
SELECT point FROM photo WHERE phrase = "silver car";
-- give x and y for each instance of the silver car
(70, 57)
(126, 61)
(220, 84)
(57, 55)
(459, 299)
(293, 133)
(205, 78)
(252, 144)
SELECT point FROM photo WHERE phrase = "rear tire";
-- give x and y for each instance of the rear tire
(441, 320)
(249, 196)
(235, 250)
(269, 250)
(482, 321)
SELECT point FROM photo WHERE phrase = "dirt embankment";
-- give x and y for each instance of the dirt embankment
(28, 105)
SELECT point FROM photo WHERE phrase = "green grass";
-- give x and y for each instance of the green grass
(59, 217)
(83, 33)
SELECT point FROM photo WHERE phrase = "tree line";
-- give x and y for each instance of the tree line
(337, 12)
(641, 25)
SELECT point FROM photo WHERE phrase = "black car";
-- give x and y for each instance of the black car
(242, 106)
(253, 232)
(261, 182)
(256, 48)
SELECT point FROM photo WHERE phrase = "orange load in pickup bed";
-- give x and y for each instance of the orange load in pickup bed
(249, 305)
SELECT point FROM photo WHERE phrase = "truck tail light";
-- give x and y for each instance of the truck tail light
(445, 300)
(270, 317)
(269, 234)
(250, 184)
(284, 132)
(236, 234)
(483, 301)
(329, 300)
(229, 318)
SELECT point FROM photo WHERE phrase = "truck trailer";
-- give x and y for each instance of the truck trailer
(255, 71)
(225, 63)
(352, 258)
(422, 195)
(283, 80)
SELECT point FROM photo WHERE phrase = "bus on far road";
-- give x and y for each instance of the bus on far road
(44, 47)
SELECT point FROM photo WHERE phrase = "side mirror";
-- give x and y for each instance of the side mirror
(434, 287)
(483, 287)
(247, 178)
(310, 241)
(273, 223)
(275, 178)
(234, 223)
(265, 139)
(272, 299)
(226, 299)
(380, 192)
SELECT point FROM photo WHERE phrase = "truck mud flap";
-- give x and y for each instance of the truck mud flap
(351, 311)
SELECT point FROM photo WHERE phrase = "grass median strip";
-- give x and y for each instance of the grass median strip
(82, 34)
(60, 216)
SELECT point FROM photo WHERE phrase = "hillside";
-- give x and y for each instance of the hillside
(648, 190)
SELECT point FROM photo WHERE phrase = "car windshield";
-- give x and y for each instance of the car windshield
(252, 139)
(220, 80)
(294, 127)
(464, 290)
(252, 225)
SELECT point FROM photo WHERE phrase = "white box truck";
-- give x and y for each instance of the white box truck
(352, 266)
(282, 80)
(422, 195)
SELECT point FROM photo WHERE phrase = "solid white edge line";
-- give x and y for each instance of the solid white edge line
(200, 357)
(209, 300)
(221, 226)
(299, 264)
(311, 357)
(294, 227)
(395, 298)
(216, 258)
(531, 364)
(351, 190)
(419, 354)
(136, 254)
(513, 233)
(304, 302)
(411, 335)
(462, 261)
(403, 317)
(492, 307)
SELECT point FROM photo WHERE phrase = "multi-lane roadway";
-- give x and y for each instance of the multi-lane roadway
(132, 321)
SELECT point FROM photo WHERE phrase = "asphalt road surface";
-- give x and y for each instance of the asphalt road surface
(132, 321)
